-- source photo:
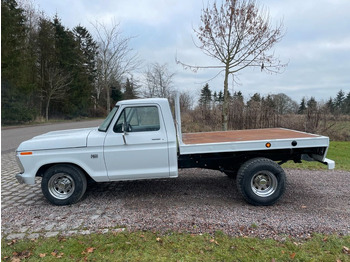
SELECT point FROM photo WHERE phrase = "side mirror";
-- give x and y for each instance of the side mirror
(126, 127)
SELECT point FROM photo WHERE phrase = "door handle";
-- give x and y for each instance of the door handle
(155, 139)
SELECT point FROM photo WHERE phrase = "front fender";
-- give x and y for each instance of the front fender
(89, 159)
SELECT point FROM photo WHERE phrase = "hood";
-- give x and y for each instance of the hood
(57, 140)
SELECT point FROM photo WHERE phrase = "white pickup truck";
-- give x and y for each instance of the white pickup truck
(139, 140)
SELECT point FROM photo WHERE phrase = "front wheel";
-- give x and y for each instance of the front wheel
(261, 181)
(63, 184)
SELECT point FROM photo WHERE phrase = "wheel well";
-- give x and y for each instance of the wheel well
(42, 169)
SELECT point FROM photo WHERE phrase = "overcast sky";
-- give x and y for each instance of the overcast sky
(316, 44)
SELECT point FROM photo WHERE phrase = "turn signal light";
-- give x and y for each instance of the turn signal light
(268, 144)
(26, 153)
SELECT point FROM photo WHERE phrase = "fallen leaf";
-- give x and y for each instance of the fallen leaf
(273, 260)
(338, 260)
(12, 242)
(346, 250)
(303, 206)
(158, 239)
(15, 259)
(292, 256)
(42, 255)
(90, 249)
(62, 239)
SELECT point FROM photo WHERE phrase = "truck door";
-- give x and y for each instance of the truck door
(137, 145)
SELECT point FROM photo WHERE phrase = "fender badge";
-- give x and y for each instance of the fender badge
(94, 156)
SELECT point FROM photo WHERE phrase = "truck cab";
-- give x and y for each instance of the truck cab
(139, 142)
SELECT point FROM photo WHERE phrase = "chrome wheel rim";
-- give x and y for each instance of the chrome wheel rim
(264, 183)
(61, 186)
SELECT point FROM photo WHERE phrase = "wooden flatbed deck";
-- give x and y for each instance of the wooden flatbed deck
(242, 135)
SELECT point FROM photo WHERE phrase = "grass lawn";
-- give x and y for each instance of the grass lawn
(338, 151)
(147, 246)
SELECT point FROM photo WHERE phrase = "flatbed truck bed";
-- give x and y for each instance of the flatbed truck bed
(243, 135)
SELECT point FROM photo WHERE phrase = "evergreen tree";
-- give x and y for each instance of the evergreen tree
(68, 63)
(130, 91)
(302, 106)
(347, 104)
(254, 100)
(215, 97)
(206, 97)
(330, 105)
(220, 97)
(16, 83)
(339, 101)
(116, 93)
(238, 96)
(312, 103)
(256, 97)
(84, 71)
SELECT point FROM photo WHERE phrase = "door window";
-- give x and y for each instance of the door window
(138, 119)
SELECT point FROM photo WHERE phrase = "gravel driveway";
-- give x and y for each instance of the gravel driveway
(198, 201)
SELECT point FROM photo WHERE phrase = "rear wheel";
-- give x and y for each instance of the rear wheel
(261, 181)
(63, 184)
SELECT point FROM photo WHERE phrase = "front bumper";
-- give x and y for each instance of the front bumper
(23, 178)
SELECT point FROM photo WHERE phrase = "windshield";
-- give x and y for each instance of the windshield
(104, 126)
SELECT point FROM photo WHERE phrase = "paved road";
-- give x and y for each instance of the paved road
(12, 137)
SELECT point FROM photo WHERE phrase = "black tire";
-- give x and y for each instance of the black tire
(261, 181)
(63, 184)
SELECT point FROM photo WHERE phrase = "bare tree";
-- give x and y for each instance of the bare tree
(56, 86)
(115, 58)
(238, 35)
(284, 104)
(186, 101)
(158, 81)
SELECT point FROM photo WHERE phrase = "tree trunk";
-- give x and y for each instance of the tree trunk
(225, 104)
(47, 110)
(108, 99)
